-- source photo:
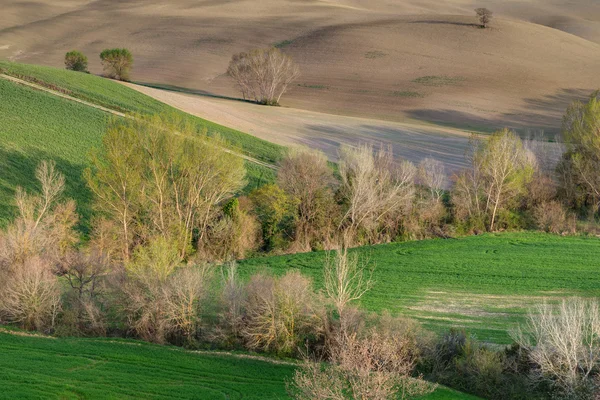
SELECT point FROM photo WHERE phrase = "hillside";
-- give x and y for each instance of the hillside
(107, 368)
(401, 61)
(39, 125)
(484, 284)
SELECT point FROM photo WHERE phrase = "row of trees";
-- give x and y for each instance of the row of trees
(117, 63)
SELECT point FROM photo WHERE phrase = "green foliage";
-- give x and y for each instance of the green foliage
(272, 207)
(437, 81)
(76, 61)
(117, 63)
(479, 282)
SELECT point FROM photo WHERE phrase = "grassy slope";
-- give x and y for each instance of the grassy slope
(37, 125)
(484, 283)
(41, 367)
(116, 96)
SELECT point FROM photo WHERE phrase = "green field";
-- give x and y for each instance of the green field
(37, 125)
(482, 283)
(41, 367)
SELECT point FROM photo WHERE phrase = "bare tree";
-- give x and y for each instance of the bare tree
(346, 279)
(485, 16)
(432, 175)
(374, 187)
(263, 74)
(564, 341)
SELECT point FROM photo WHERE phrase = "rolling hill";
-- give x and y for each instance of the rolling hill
(402, 61)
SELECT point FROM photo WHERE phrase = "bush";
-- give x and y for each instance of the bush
(281, 313)
(552, 217)
(117, 63)
(76, 61)
(30, 296)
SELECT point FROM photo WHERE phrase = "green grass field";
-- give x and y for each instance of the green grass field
(40, 126)
(111, 94)
(41, 367)
(485, 283)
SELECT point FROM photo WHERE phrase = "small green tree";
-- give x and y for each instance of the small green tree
(76, 61)
(117, 63)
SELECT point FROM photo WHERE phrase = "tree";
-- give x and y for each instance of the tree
(485, 16)
(345, 280)
(374, 187)
(377, 366)
(432, 175)
(500, 172)
(117, 63)
(564, 342)
(581, 162)
(305, 176)
(157, 177)
(263, 74)
(76, 61)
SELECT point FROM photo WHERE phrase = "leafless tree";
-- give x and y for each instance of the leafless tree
(484, 15)
(263, 74)
(374, 186)
(345, 279)
(563, 340)
(432, 175)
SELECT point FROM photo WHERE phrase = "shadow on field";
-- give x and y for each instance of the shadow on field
(410, 144)
(542, 113)
(17, 169)
(442, 22)
(195, 92)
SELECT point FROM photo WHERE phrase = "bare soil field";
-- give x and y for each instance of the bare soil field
(405, 61)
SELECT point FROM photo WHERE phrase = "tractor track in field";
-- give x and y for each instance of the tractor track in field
(57, 93)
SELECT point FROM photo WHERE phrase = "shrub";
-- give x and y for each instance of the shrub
(76, 61)
(552, 217)
(281, 313)
(375, 366)
(30, 296)
(117, 63)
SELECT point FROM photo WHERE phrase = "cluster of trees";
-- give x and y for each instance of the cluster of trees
(117, 63)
